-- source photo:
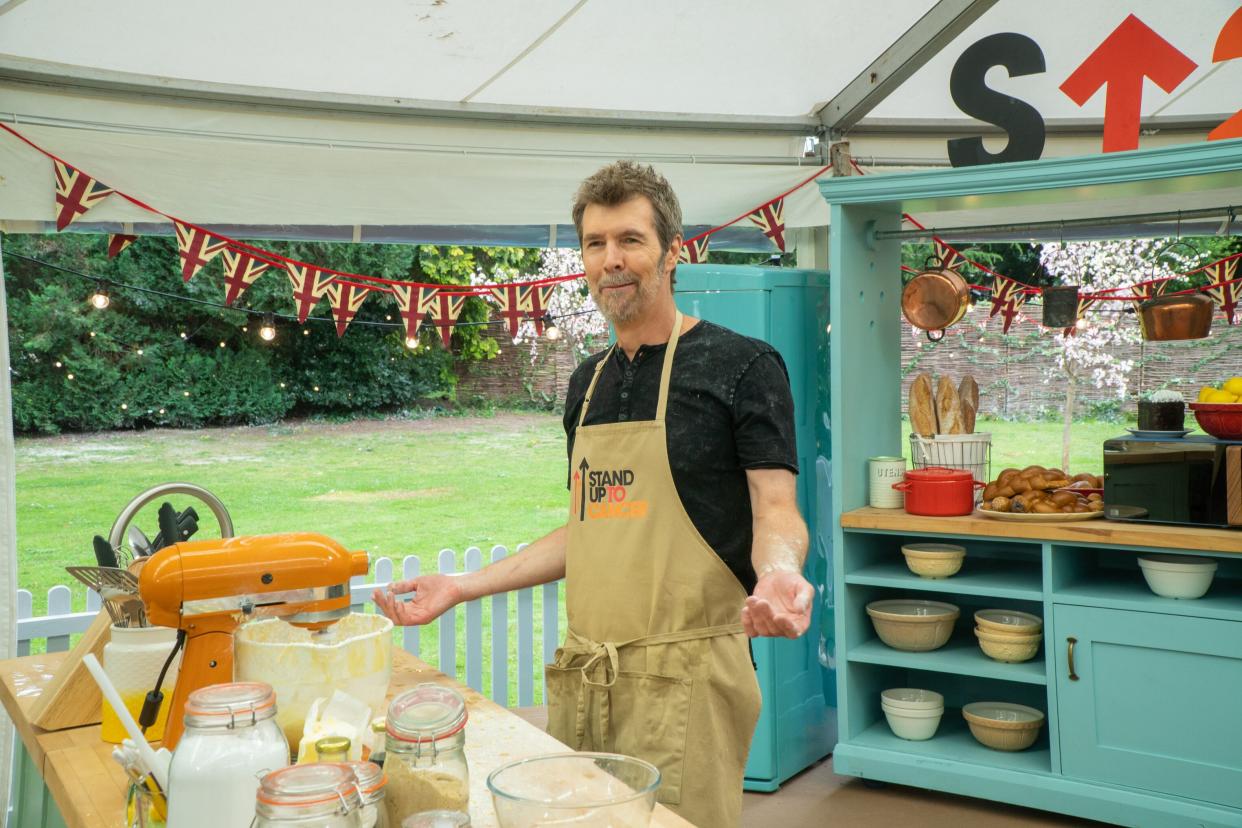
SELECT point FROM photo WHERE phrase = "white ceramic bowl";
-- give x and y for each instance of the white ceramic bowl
(912, 625)
(914, 725)
(1009, 622)
(934, 560)
(1002, 725)
(1178, 576)
(911, 698)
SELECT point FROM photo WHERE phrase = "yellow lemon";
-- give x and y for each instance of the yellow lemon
(1220, 397)
(1234, 386)
(1205, 392)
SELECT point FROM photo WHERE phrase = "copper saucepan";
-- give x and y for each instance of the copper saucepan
(1167, 318)
(935, 299)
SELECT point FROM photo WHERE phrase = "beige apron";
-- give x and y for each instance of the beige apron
(655, 664)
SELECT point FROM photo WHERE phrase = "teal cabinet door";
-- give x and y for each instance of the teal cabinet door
(1152, 702)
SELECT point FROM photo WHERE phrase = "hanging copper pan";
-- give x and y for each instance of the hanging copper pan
(935, 299)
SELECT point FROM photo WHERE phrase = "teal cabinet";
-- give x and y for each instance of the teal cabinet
(781, 306)
(1153, 701)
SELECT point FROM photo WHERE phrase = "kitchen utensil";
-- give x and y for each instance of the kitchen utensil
(912, 724)
(208, 587)
(1003, 726)
(169, 532)
(117, 533)
(187, 525)
(1168, 318)
(116, 587)
(1036, 517)
(1008, 647)
(939, 492)
(138, 542)
(72, 698)
(574, 788)
(1178, 576)
(933, 560)
(1222, 420)
(912, 625)
(1009, 622)
(105, 555)
(935, 299)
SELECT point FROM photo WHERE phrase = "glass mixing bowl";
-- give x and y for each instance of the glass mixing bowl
(574, 790)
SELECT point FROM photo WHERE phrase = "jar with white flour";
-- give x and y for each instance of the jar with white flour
(231, 741)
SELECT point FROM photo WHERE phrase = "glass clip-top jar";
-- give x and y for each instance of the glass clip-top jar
(425, 753)
(317, 795)
(371, 788)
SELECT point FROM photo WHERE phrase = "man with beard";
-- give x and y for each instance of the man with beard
(684, 537)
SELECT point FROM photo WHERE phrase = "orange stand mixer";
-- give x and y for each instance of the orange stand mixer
(207, 589)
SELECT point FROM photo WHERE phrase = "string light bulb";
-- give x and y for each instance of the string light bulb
(268, 332)
(306, 332)
(1083, 323)
(100, 298)
(411, 343)
(552, 332)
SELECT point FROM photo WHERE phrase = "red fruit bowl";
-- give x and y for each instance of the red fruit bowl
(1222, 420)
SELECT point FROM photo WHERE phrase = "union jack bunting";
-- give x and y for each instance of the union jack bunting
(197, 247)
(240, 271)
(1084, 302)
(538, 311)
(947, 256)
(444, 309)
(694, 251)
(515, 303)
(771, 220)
(76, 192)
(117, 242)
(309, 286)
(1147, 290)
(1007, 298)
(1226, 287)
(346, 298)
(413, 303)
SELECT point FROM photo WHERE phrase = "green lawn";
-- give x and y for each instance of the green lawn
(393, 488)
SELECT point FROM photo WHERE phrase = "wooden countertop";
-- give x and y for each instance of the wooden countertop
(1101, 530)
(89, 787)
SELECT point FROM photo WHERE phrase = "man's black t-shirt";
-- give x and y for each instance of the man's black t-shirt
(730, 409)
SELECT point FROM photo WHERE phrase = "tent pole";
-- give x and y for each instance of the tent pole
(8, 538)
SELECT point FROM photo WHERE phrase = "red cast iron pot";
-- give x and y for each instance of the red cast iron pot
(939, 492)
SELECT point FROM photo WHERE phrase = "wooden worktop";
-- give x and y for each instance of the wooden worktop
(1101, 530)
(89, 787)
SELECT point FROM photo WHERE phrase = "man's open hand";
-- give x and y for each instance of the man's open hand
(433, 596)
(780, 606)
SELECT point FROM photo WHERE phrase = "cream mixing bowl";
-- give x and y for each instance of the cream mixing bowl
(354, 655)
(575, 789)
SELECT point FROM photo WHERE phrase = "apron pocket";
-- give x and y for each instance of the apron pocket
(649, 718)
(563, 691)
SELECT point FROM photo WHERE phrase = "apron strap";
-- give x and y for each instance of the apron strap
(599, 369)
(667, 373)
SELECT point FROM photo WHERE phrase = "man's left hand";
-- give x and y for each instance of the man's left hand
(780, 606)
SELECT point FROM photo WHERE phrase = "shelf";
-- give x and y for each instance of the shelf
(953, 742)
(961, 656)
(1129, 591)
(1104, 531)
(1017, 580)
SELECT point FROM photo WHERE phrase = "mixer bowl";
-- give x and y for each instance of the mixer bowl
(601, 790)
(354, 655)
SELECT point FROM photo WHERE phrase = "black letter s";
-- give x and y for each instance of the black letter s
(1021, 56)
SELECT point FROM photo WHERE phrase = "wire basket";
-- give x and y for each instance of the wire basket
(970, 452)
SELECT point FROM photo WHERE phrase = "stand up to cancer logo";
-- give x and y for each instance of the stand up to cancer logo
(602, 494)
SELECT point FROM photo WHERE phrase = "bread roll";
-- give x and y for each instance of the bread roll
(922, 409)
(948, 408)
(968, 392)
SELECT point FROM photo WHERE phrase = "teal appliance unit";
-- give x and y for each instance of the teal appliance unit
(789, 309)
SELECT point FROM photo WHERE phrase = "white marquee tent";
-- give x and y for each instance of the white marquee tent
(472, 121)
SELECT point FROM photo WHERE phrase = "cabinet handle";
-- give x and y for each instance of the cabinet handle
(1070, 657)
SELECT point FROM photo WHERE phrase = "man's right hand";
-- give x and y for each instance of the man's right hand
(434, 595)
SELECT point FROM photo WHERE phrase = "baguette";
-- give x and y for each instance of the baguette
(968, 393)
(948, 408)
(922, 409)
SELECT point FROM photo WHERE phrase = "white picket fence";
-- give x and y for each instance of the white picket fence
(494, 648)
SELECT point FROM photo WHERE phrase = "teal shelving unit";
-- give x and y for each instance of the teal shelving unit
(781, 306)
(1143, 721)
